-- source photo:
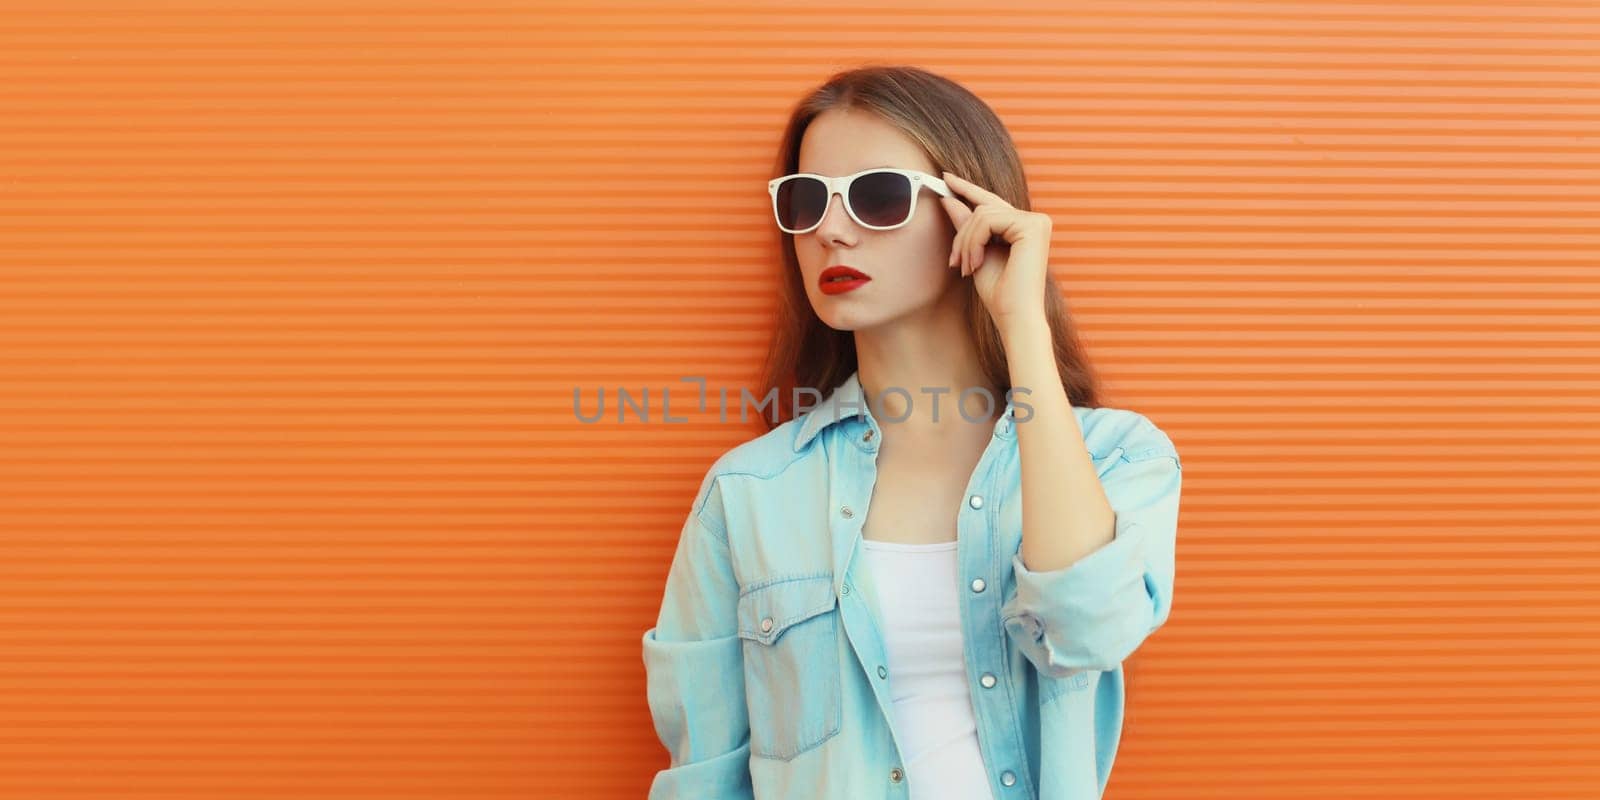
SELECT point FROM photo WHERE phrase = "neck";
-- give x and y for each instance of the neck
(924, 360)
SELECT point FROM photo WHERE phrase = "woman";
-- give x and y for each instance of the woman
(864, 602)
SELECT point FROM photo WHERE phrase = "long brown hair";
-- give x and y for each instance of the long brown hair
(960, 133)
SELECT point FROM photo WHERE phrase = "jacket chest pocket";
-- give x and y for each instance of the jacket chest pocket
(790, 630)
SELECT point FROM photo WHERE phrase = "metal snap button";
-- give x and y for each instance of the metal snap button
(978, 584)
(766, 625)
(987, 680)
(976, 501)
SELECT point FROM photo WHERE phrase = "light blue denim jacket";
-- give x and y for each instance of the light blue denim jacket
(766, 670)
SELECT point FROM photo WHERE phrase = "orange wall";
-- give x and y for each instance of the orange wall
(293, 501)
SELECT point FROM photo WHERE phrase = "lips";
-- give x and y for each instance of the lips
(840, 276)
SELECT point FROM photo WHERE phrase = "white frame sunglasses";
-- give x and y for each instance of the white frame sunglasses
(841, 186)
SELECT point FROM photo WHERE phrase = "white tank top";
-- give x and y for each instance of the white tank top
(933, 718)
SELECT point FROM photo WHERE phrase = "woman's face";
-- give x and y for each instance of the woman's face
(907, 266)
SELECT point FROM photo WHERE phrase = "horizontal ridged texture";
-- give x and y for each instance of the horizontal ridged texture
(295, 501)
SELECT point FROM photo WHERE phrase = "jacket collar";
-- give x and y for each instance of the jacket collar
(846, 402)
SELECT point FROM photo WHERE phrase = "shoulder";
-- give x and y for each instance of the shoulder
(762, 457)
(1128, 433)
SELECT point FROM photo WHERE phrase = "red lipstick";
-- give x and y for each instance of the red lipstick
(839, 279)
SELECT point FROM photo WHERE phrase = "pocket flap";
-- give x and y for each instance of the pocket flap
(767, 611)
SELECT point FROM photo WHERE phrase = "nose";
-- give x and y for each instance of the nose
(835, 219)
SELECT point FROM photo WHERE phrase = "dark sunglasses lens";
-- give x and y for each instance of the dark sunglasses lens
(801, 202)
(881, 198)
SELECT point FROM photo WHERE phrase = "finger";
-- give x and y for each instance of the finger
(961, 246)
(977, 234)
(971, 190)
(981, 246)
(956, 245)
(956, 209)
(958, 215)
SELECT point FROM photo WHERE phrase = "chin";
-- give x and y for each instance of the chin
(835, 323)
(834, 317)
(852, 320)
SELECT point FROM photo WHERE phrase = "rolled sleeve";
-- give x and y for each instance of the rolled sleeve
(694, 673)
(1093, 614)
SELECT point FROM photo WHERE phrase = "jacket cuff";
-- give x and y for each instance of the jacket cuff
(1090, 615)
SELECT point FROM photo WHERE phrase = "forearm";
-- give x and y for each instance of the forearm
(1065, 513)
